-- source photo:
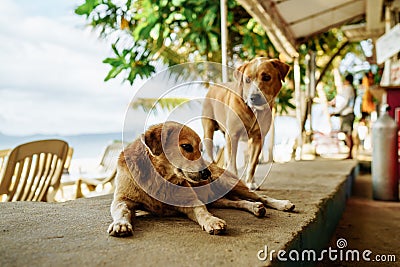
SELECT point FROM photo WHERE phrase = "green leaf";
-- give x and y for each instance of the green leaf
(136, 33)
(163, 3)
(258, 29)
(209, 17)
(188, 14)
(261, 42)
(87, 7)
(247, 40)
(115, 62)
(115, 49)
(177, 2)
(250, 24)
(132, 75)
(214, 41)
(113, 73)
(166, 32)
(155, 31)
(202, 43)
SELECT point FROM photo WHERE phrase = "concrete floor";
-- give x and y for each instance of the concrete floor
(368, 225)
(74, 233)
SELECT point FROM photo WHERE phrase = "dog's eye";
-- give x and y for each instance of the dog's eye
(266, 77)
(187, 147)
(248, 80)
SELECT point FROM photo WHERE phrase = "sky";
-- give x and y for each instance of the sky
(52, 77)
(51, 72)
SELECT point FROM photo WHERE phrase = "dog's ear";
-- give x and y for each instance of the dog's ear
(283, 68)
(238, 75)
(152, 139)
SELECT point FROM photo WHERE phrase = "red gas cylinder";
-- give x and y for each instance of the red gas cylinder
(397, 119)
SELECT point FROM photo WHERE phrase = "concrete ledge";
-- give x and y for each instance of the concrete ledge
(74, 233)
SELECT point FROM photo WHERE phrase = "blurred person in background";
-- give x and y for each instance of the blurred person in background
(367, 104)
(343, 107)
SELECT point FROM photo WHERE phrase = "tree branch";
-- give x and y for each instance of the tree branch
(340, 49)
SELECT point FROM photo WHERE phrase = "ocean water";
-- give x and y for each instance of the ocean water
(91, 146)
(85, 145)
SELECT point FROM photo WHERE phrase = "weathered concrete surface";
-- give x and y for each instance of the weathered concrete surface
(74, 233)
(368, 224)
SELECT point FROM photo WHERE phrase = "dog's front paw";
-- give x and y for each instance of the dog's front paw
(258, 209)
(285, 205)
(214, 226)
(120, 228)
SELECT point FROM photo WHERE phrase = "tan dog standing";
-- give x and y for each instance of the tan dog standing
(242, 110)
(163, 172)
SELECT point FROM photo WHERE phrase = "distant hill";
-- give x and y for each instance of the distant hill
(85, 145)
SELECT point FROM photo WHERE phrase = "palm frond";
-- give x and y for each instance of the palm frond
(155, 104)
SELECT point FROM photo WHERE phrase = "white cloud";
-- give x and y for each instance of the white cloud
(52, 74)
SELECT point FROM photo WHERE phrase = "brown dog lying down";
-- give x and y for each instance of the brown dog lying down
(163, 172)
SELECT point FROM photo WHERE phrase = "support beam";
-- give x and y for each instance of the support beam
(386, 79)
(277, 30)
(224, 40)
(299, 107)
(373, 15)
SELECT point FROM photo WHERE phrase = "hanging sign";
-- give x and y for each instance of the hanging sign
(388, 44)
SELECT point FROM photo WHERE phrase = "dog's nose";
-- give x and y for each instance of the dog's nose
(255, 98)
(205, 174)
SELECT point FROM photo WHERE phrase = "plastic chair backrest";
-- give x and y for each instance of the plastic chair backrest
(3, 159)
(68, 160)
(33, 168)
(110, 156)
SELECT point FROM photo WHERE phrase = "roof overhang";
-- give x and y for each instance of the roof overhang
(268, 15)
(289, 23)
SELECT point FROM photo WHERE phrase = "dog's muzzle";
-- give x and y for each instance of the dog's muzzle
(196, 177)
(256, 101)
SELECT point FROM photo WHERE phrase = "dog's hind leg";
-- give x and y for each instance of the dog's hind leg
(279, 204)
(257, 208)
(241, 191)
(209, 128)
